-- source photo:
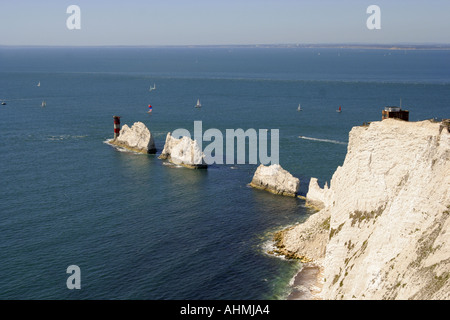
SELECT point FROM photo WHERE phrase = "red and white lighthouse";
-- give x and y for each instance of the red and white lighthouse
(116, 126)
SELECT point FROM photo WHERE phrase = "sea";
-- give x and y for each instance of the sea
(139, 228)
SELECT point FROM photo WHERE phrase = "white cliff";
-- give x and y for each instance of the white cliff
(137, 138)
(183, 151)
(384, 230)
(275, 179)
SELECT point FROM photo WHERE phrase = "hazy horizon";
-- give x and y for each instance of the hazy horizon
(300, 45)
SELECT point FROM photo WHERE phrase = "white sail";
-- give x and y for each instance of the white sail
(198, 105)
(39, 84)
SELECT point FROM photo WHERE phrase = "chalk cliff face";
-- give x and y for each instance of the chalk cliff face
(275, 179)
(183, 151)
(384, 230)
(137, 138)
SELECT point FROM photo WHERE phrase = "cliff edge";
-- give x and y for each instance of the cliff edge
(384, 230)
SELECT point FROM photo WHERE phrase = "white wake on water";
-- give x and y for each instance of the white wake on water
(65, 137)
(322, 140)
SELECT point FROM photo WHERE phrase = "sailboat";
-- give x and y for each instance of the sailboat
(150, 108)
(39, 84)
(152, 88)
(198, 105)
(43, 104)
(339, 110)
(299, 108)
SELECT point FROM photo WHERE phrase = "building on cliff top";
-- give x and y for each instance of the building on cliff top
(445, 123)
(395, 112)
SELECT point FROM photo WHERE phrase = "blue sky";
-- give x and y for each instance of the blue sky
(219, 22)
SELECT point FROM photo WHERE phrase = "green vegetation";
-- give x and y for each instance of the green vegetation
(326, 224)
(363, 216)
(335, 231)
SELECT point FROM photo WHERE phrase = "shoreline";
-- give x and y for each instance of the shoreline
(307, 243)
(307, 284)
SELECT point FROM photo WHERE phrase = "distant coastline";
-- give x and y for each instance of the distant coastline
(436, 46)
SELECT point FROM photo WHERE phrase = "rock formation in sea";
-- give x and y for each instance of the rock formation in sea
(316, 196)
(183, 151)
(384, 230)
(275, 179)
(138, 138)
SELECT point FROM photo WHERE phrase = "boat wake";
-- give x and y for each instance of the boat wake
(323, 140)
(64, 137)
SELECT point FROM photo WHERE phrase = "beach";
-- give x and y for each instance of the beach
(307, 283)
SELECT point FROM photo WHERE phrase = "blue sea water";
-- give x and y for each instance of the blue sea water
(141, 229)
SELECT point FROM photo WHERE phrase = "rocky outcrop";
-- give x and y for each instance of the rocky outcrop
(137, 138)
(183, 151)
(275, 179)
(317, 197)
(384, 231)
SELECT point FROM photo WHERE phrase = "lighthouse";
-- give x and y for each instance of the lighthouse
(116, 126)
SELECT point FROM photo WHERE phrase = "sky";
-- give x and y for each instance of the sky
(222, 22)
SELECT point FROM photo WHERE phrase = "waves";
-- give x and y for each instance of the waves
(119, 148)
(65, 137)
(323, 140)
